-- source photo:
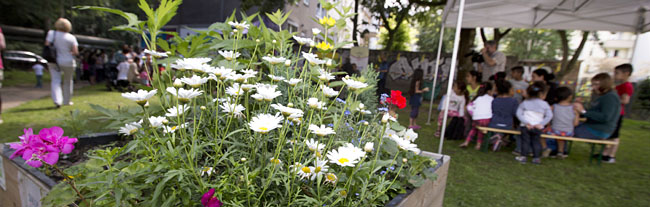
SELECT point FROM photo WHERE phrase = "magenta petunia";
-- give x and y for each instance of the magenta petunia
(25, 139)
(210, 200)
(54, 136)
(39, 152)
(43, 147)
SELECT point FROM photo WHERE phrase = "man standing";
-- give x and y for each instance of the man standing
(495, 61)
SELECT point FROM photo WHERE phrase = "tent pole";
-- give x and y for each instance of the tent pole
(435, 74)
(452, 69)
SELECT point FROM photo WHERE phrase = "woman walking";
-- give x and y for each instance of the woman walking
(66, 48)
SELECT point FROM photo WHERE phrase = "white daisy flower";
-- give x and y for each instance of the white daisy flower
(314, 103)
(369, 147)
(366, 112)
(387, 117)
(410, 135)
(190, 63)
(249, 72)
(195, 81)
(314, 145)
(305, 172)
(320, 168)
(353, 84)
(235, 110)
(130, 128)
(296, 167)
(229, 55)
(184, 95)
(266, 92)
(222, 72)
(274, 60)
(157, 121)
(293, 81)
(315, 31)
(207, 170)
(286, 111)
(172, 129)
(239, 25)
(390, 133)
(155, 54)
(322, 130)
(328, 92)
(296, 117)
(346, 156)
(234, 90)
(361, 106)
(287, 63)
(303, 40)
(331, 178)
(263, 123)
(177, 83)
(236, 77)
(141, 96)
(325, 76)
(328, 63)
(247, 87)
(177, 110)
(405, 144)
(276, 78)
(312, 58)
(275, 161)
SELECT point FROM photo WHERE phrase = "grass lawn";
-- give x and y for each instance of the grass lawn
(496, 179)
(41, 113)
(15, 77)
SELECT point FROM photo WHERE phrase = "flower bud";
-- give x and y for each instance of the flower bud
(287, 63)
(178, 83)
(165, 121)
(203, 108)
(257, 40)
(274, 41)
(290, 104)
(243, 159)
(365, 123)
(328, 63)
(235, 30)
(404, 160)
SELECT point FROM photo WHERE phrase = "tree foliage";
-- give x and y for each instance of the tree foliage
(429, 35)
(399, 40)
(42, 15)
(536, 44)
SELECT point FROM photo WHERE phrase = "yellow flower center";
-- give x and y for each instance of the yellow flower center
(343, 160)
(133, 131)
(317, 170)
(174, 127)
(275, 161)
(264, 128)
(306, 170)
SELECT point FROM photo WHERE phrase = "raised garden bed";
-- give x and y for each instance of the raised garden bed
(22, 185)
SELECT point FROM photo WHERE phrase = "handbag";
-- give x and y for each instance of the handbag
(49, 51)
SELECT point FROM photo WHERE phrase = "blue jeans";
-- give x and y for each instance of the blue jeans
(582, 131)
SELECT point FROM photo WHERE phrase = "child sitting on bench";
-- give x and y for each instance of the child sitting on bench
(565, 118)
(504, 107)
(481, 111)
(534, 113)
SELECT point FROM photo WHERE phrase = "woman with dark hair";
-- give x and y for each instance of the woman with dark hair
(546, 77)
(604, 112)
(415, 92)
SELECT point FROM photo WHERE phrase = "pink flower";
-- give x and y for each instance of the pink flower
(25, 139)
(210, 200)
(38, 152)
(54, 136)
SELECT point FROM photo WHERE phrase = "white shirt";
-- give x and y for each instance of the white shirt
(38, 69)
(63, 42)
(123, 69)
(456, 102)
(481, 108)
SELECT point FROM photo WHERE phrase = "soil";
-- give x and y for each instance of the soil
(77, 156)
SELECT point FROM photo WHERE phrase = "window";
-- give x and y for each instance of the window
(320, 11)
(615, 53)
(292, 27)
(306, 2)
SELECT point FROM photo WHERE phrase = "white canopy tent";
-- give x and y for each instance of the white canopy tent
(589, 15)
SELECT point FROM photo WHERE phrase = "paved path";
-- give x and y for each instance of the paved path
(16, 95)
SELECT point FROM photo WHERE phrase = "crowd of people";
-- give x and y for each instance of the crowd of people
(534, 108)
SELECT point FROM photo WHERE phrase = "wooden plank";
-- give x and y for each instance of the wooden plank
(595, 141)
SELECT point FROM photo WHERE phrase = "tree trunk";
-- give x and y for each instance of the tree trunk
(464, 46)
(569, 65)
(355, 22)
(390, 41)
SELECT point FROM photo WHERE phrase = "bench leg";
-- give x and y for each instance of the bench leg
(600, 155)
(568, 150)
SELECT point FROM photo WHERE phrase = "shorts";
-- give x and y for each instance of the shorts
(414, 111)
(2, 76)
(618, 128)
(560, 133)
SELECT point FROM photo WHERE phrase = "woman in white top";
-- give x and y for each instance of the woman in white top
(66, 48)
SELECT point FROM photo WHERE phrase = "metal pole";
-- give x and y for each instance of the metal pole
(435, 74)
(452, 69)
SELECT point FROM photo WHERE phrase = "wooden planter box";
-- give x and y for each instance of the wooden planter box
(22, 185)
(432, 193)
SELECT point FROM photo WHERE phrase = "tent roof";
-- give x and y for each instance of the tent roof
(610, 15)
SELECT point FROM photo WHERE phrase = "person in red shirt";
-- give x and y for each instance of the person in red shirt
(625, 90)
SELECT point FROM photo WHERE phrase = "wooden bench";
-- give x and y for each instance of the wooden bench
(487, 132)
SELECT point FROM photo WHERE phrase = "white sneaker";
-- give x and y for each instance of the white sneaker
(611, 160)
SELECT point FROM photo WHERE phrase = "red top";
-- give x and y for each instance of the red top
(624, 88)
